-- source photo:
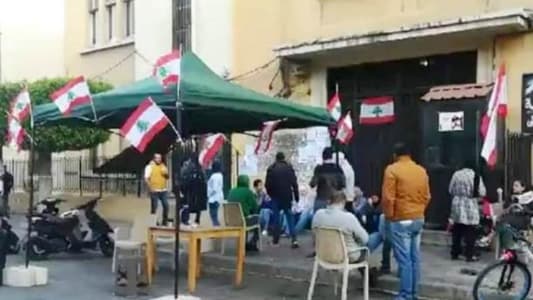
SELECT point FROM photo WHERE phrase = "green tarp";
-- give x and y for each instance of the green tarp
(210, 103)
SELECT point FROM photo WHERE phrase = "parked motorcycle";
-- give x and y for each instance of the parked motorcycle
(12, 238)
(72, 231)
(48, 206)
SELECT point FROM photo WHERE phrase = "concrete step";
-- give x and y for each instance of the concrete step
(436, 238)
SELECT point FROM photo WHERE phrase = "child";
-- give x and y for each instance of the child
(265, 205)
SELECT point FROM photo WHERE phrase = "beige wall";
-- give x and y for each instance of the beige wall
(108, 60)
(31, 40)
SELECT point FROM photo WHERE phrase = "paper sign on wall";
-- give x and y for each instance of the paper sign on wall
(451, 121)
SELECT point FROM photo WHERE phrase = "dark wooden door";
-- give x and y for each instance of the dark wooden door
(406, 81)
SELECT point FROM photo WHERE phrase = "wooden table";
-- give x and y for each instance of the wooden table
(194, 237)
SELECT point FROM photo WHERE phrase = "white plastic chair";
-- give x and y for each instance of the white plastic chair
(332, 254)
(234, 217)
(134, 240)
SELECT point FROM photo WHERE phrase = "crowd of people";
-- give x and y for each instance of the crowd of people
(393, 219)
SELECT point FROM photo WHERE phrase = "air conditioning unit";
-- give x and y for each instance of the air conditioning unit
(93, 5)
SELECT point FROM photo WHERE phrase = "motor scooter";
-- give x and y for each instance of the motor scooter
(72, 231)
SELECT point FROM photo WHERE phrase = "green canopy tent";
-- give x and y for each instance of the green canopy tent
(210, 104)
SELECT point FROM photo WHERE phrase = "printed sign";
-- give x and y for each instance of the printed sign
(451, 121)
(527, 103)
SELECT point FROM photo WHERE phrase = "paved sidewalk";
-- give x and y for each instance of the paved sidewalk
(441, 277)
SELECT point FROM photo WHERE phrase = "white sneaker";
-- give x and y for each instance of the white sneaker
(194, 225)
(264, 233)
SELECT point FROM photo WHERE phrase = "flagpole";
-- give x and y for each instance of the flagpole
(94, 110)
(177, 221)
(31, 187)
(335, 142)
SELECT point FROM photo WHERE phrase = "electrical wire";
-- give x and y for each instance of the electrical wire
(113, 67)
(262, 67)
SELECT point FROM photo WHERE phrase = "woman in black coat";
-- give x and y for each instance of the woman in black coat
(193, 187)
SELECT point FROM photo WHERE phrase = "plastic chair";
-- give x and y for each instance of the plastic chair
(234, 217)
(332, 254)
(135, 239)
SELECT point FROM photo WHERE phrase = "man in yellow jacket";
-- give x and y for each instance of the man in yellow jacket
(405, 195)
(156, 176)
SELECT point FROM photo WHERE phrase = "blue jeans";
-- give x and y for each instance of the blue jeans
(276, 210)
(381, 237)
(155, 198)
(264, 218)
(305, 218)
(213, 213)
(405, 238)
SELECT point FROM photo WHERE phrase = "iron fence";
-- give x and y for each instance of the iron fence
(75, 175)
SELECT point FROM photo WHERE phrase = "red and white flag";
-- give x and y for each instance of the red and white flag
(377, 111)
(144, 124)
(334, 107)
(21, 106)
(15, 134)
(265, 137)
(497, 108)
(167, 69)
(212, 144)
(74, 93)
(497, 102)
(345, 130)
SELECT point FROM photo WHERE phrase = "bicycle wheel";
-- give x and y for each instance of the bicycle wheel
(503, 280)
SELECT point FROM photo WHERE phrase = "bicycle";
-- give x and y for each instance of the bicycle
(493, 283)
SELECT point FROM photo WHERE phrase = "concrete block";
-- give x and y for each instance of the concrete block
(180, 297)
(20, 276)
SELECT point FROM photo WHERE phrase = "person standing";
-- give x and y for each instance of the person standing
(156, 176)
(464, 216)
(215, 192)
(406, 195)
(349, 176)
(194, 189)
(327, 179)
(7, 185)
(282, 186)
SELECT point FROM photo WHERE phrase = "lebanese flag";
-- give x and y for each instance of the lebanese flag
(489, 150)
(334, 107)
(377, 111)
(21, 106)
(497, 102)
(167, 69)
(345, 131)
(265, 137)
(74, 93)
(212, 145)
(15, 134)
(144, 124)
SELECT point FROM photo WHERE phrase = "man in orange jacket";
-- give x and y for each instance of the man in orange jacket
(406, 195)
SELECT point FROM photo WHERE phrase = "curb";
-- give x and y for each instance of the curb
(428, 290)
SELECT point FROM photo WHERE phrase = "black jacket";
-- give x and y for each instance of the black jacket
(327, 178)
(281, 184)
(7, 178)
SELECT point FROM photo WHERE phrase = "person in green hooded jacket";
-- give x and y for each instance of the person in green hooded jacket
(244, 195)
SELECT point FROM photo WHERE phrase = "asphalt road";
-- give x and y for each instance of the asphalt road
(88, 277)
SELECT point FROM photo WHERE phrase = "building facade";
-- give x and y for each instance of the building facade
(400, 49)
(118, 41)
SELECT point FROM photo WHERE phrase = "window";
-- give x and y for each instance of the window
(110, 6)
(93, 10)
(129, 9)
(182, 25)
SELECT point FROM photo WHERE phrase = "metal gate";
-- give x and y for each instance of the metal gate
(518, 159)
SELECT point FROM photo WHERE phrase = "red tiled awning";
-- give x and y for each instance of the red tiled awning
(458, 91)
